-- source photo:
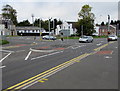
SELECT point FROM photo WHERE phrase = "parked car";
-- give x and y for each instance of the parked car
(86, 39)
(47, 37)
(112, 38)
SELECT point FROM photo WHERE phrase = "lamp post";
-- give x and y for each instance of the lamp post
(108, 23)
(49, 27)
(32, 19)
(40, 28)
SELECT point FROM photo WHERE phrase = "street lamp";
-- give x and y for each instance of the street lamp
(108, 23)
(49, 26)
(32, 19)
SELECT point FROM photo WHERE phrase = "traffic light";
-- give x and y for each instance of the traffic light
(108, 32)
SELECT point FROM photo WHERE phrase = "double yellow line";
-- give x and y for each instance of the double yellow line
(45, 74)
(51, 71)
(97, 49)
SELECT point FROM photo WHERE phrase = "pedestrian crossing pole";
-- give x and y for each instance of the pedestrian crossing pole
(40, 36)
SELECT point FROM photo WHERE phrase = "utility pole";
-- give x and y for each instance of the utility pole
(49, 27)
(82, 30)
(32, 19)
(108, 23)
(40, 29)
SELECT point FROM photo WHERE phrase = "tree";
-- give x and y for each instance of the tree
(24, 23)
(9, 13)
(102, 24)
(86, 20)
(44, 24)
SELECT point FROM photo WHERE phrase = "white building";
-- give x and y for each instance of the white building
(6, 31)
(66, 28)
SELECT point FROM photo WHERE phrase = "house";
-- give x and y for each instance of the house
(103, 30)
(66, 28)
(31, 31)
(6, 27)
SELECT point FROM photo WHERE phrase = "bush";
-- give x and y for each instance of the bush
(2, 42)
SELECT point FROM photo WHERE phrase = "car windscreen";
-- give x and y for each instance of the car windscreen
(111, 36)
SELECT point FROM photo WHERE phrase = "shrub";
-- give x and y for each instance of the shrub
(2, 42)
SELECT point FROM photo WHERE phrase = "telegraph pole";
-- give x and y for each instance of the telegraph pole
(82, 30)
(108, 23)
(49, 27)
(32, 19)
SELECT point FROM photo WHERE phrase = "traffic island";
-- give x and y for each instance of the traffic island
(50, 48)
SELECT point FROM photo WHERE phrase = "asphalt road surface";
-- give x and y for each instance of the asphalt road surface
(25, 59)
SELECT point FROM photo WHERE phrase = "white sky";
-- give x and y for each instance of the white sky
(66, 10)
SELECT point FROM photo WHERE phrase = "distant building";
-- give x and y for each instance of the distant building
(31, 31)
(6, 27)
(67, 28)
(103, 30)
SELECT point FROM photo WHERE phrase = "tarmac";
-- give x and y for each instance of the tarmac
(96, 71)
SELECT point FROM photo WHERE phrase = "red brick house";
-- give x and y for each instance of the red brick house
(103, 30)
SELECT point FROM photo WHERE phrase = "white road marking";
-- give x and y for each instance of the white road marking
(7, 51)
(46, 55)
(28, 55)
(77, 46)
(5, 57)
(107, 57)
(98, 44)
(73, 47)
(20, 51)
(2, 67)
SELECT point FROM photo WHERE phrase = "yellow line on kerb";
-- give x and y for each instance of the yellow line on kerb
(30, 80)
(97, 49)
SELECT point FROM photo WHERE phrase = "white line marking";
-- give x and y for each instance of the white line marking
(6, 51)
(28, 55)
(107, 57)
(77, 46)
(2, 67)
(4, 57)
(20, 51)
(98, 44)
(46, 55)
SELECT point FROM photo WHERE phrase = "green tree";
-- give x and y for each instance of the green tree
(86, 21)
(9, 13)
(44, 24)
(24, 23)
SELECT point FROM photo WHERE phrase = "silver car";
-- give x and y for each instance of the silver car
(86, 39)
(47, 37)
(112, 38)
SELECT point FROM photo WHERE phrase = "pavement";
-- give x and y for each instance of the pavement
(97, 71)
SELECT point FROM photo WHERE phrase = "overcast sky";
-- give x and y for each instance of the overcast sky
(66, 10)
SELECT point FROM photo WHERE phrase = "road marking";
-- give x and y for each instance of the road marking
(43, 80)
(98, 44)
(73, 47)
(107, 57)
(98, 49)
(5, 57)
(43, 75)
(6, 51)
(28, 55)
(20, 51)
(46, 55)
(2, 67)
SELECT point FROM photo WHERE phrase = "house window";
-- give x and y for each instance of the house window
(103, 30)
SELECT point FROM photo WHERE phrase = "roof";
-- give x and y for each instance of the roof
(28, 28)
(73, 24)
(106, 27)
